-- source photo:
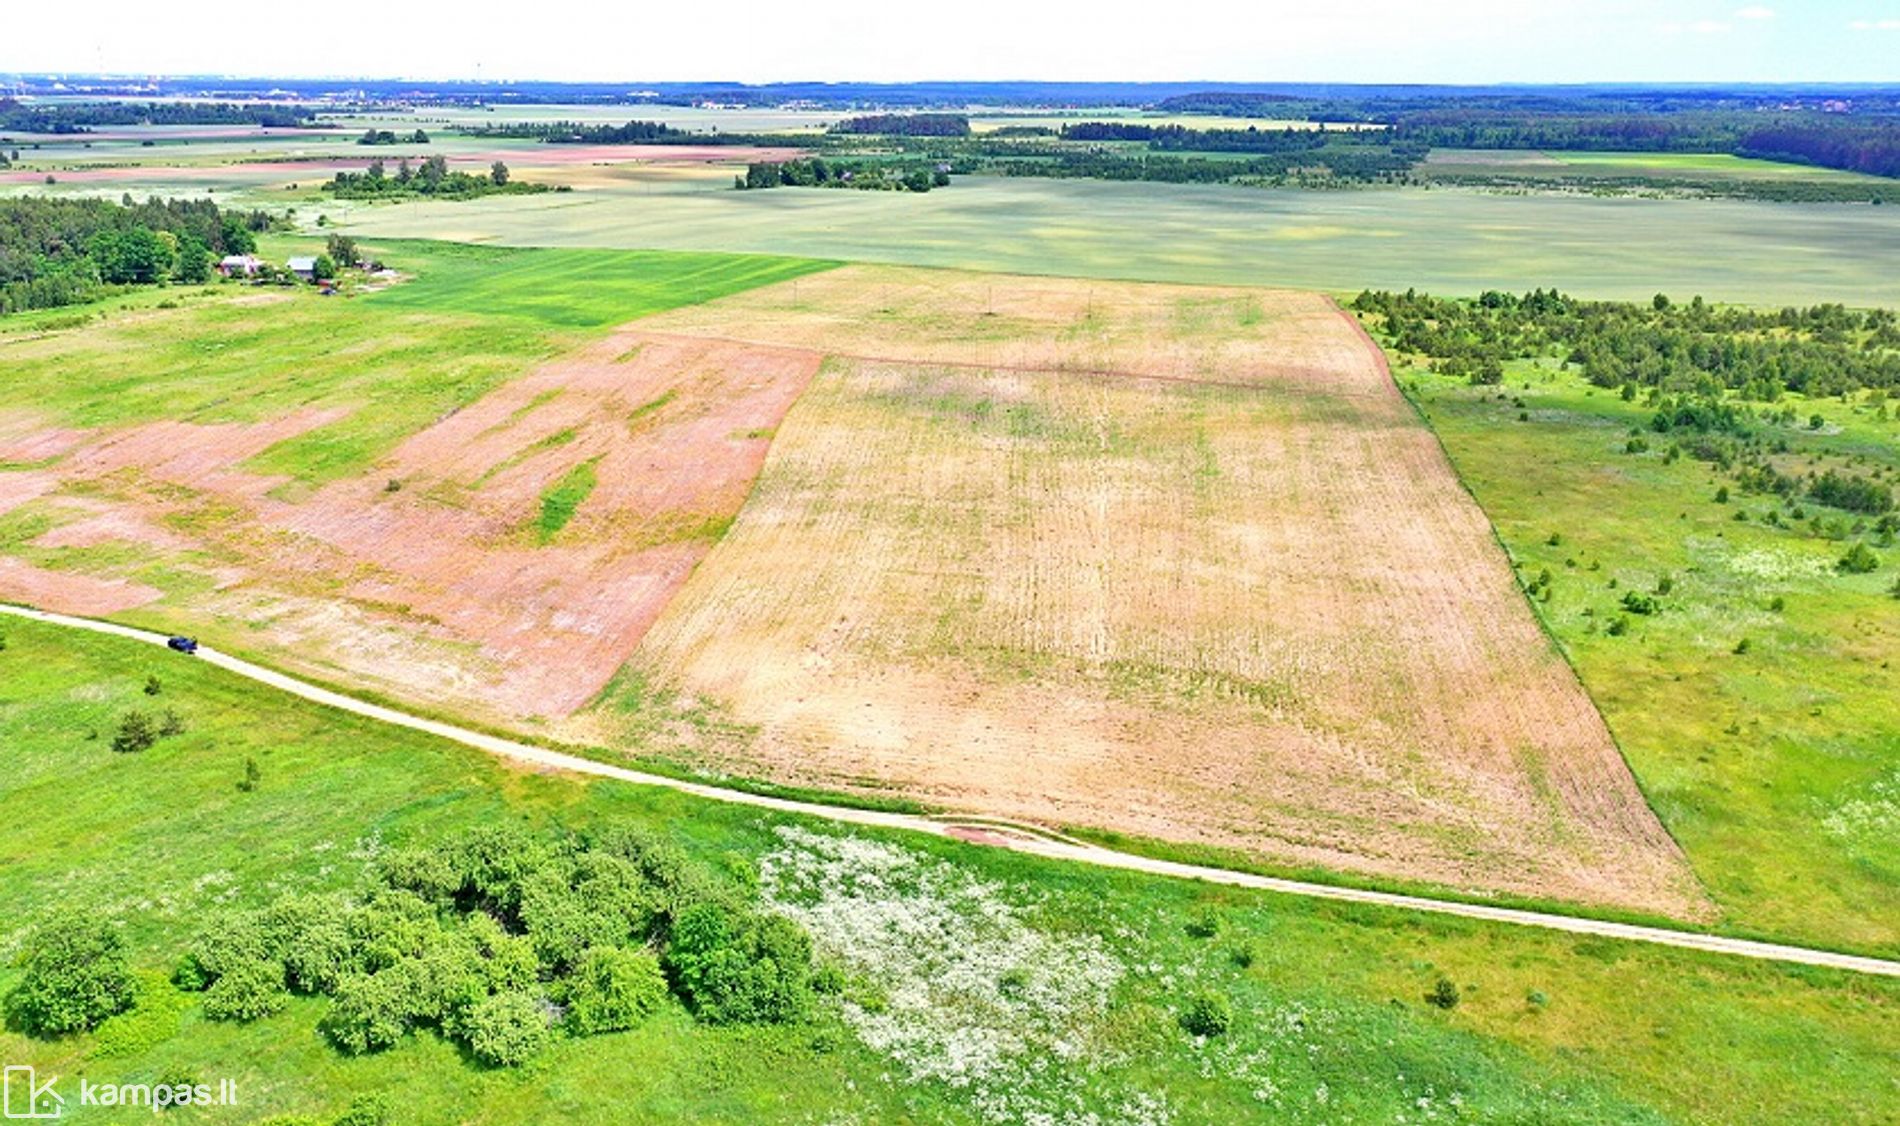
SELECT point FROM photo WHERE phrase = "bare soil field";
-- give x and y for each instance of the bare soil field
(433, 578)
(1167, 561)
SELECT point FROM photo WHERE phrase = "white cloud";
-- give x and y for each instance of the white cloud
(1696, 27)
(1755, 12)
(1875, 25)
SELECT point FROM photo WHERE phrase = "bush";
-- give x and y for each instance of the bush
(740, 969)
(364, 1110)
(1207, 1015)
(137, 732)
(507, 1029)
(74, 976)
(247, 991)
(317, 958)
(1636, 602)
(1444, 994)
(368, 1015)
(613, 990)
(228, 942)
(1204, 925)
(1859, 560)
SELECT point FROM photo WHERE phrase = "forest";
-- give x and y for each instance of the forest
(906, 125)
(57, 252)
(83, 117)
(818, 172)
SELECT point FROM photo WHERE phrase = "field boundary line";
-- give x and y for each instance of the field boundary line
(979, 366)
(1076, 852)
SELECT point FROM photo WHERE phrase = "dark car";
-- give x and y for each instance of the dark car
(182, 644)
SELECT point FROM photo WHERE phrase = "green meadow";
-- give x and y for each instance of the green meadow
(1090, 969)
(1758, 706)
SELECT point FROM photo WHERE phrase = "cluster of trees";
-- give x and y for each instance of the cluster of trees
(906, 125)
(432, 178)
(1700, 369)
(1341, 163)
(502, 939)
(83, 117)
(817, 172)
(1692, 348)
(387, 137)
(64, 251)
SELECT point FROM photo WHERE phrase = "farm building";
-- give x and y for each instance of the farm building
(304, 267)
(239, 265)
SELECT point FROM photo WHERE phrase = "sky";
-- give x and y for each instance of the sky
(1374, 41)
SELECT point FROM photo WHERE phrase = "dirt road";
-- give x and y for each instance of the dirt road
(988, 832)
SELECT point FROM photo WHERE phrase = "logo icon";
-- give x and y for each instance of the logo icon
(26, 1097)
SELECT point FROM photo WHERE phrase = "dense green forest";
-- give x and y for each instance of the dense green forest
(906, 125)
(64, 251)
(432, 178)
(82, 117)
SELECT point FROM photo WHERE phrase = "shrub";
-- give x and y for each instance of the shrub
(137, 732)
(247, 991)
(316, 959)
(1636, 602)
(364, 1110)
(612, 990)
(152, 686)
(507, 1029)
(1743, 646)
(170, 723)
(227, 942)
(1618, 626)
(1207, 1015)
(428, 872)
(74, 975)
(252, 776)
(734, 968)
(1444, 994)
(368, 1015)
(1204, 925)
(1859, 560)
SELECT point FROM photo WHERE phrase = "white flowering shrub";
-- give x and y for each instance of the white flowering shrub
(970, 992)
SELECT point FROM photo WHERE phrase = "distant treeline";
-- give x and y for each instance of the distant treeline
(432, 178)
(863, 175)
(83, 117)
(1177, 138)
(906, 125)
(64, 251)
(632, 133)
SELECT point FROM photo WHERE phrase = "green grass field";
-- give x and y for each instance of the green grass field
(1773, 768)
(1329, 1020)
(396, 360)
(1442, 240)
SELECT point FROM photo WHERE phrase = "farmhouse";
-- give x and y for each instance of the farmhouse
(304, 267)
(239, 265)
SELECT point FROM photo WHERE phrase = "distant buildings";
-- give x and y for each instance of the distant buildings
(239, 265)
(304, 267)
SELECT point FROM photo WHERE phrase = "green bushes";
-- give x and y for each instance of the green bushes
(613, 990)
(1444, 994)
(499, 936)
(75, 975)
(1207, 1015)
(507, 1029)
(1859, 560)
(735, 967)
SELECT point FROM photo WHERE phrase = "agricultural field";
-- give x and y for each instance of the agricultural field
(1015, 987)
(1654, 164)
(1772, 765)
(1097, 554)
(463, 489)
(1441, 240)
